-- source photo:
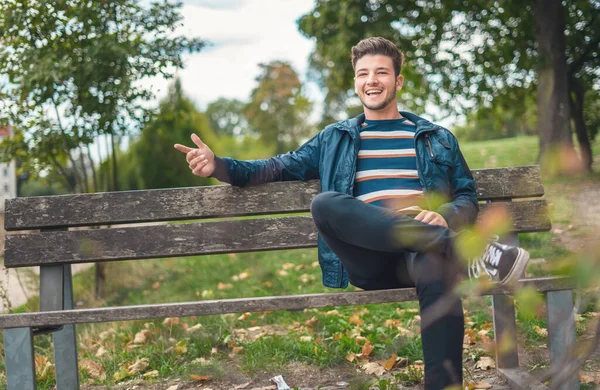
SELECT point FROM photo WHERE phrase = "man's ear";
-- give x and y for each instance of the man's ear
(399, 82)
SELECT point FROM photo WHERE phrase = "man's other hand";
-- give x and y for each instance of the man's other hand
(201, 160)
(432, 218)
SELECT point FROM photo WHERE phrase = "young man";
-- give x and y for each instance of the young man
(381, 224)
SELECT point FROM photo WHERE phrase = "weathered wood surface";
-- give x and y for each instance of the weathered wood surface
(242, 305)
(511, 182)
(128, 243)
(218, 201)
(233, 236)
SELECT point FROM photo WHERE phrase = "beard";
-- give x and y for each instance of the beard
(389, 97)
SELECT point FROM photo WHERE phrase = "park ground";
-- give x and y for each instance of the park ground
(372, 346)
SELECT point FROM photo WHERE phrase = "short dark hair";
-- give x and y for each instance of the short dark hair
(378, 45)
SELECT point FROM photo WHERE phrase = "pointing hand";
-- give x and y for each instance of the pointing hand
(201, 160)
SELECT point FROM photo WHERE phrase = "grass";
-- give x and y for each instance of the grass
(267, 341)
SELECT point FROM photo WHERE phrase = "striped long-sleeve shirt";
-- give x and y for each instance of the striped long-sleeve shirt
(386, 173)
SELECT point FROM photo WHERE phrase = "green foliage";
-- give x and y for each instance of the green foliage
(278, 108)
(502, 118)
(459, 55)
(152, 157)
(227, 118)
(72, 73)
(41, 187)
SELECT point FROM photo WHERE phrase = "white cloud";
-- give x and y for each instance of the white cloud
(244, 34)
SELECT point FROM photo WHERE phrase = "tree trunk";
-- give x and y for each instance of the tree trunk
(577, 103)
(100, 280)
(115, 183)
(94, 180)
(557, 155)
(86, 183)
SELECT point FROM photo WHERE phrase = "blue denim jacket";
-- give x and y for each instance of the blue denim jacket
(331, 156)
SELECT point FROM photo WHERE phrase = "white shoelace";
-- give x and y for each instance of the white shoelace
(479, 265)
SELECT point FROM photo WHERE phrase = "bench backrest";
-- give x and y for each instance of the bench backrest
(54, 215)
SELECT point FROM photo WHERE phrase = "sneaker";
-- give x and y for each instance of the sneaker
(502, 263)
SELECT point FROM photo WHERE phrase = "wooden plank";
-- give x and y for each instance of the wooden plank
(218, 201)
(85, 246)
(510, 182)
(240, 305)
(233, 236)
(519, 379)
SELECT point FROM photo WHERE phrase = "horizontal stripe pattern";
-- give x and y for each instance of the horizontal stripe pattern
(386, 134)
(390, 194)
(386, 153)
(386, 172)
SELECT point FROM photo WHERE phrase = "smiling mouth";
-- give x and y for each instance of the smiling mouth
(373, 92)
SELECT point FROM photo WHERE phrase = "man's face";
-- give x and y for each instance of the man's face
(375, 82)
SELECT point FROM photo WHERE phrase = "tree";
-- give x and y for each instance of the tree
(158, 164)
(461, 55)
(227, 117)
(278, 109)
(73, 71)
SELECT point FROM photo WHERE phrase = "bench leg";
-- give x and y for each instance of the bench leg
(18, 353)
(505, 324)
(505, 332)
(561, 337)
(65, 342)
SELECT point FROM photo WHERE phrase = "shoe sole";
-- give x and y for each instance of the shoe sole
(518, 268)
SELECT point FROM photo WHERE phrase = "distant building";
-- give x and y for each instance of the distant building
(8, 177)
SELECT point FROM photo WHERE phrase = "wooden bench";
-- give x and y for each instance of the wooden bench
(53, 247)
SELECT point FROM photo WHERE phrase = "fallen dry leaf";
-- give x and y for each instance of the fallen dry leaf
(142, 336)
(312, 321)
(367, 349)
(482, 385)
(588, 377)
(95, 370)
(171, 321)
(288, 266)
(389, 363)
(371, 368)
(200, 378)
(305, 339)
(156, 285)
(355, 319)
(194, 328)
(244, 316)
(351, 357)
(485, 363)
(282, 272)
(224, 286)
(540, 331)
(151, 374)
(138, 366)
(101, 351)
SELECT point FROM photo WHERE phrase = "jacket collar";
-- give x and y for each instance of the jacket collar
(353, 125)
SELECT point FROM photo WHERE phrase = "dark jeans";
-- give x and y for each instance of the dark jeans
(374, 246)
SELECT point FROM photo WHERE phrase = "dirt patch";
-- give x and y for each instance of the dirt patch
(296, 375)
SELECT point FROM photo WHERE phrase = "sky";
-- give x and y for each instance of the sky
(243, 34)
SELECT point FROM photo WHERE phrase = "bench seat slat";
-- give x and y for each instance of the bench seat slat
(218, 201)
(242, 305)
(232, 236)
